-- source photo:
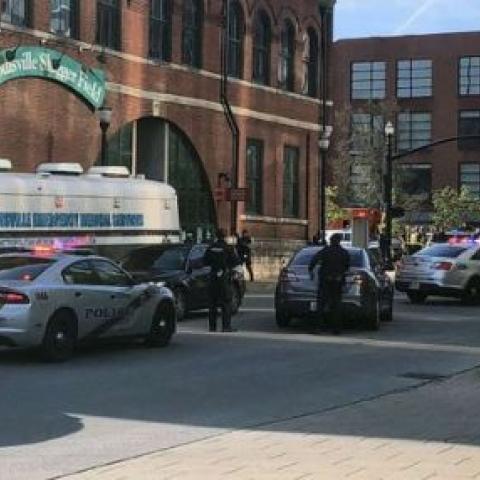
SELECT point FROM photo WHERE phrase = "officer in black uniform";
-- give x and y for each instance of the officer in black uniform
(221, 258)
(334, 262)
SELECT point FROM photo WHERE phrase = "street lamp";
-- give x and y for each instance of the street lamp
(389, 133)
(105, 117)
(324, 7)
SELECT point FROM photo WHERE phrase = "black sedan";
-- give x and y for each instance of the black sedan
(182, 268)
(367, 294)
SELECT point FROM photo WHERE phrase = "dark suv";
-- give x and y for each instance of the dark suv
(183, 270)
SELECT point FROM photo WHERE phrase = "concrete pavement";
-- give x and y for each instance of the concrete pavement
(430, 431)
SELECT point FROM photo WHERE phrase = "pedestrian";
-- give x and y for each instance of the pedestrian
(334, 263)
(245, 251)
(221, 258)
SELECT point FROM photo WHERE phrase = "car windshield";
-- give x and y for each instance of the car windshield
(23, 268)
(168, 259)
(303, 257)
(446, 251)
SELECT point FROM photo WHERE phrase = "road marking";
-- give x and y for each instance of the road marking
(257, 310)
(259, 295)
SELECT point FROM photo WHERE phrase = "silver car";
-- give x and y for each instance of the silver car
(450, 270)
(367, 294)
(53, 301)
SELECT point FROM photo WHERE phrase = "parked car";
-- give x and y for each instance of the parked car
(448, 270)
(53, 301)
(367, 294)
(182, 268)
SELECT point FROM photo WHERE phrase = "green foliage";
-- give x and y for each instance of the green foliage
(334, 211)
(452, 209)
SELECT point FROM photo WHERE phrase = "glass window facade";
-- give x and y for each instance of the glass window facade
(262, 38)
(470, 177)
(236, 33)
(192, 33)
(414, 130)
(368, 80)
(161, 30)
(469, 76)
(287, 57)
(469, 124)
(108, 23)
(366, 131)
(414, 78)
(291, 190)
(254, 202)
(63, 18)
(15, 12)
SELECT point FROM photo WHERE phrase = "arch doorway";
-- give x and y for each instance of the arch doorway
(161, 151)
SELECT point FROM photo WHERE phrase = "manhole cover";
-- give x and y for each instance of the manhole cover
(423, 376)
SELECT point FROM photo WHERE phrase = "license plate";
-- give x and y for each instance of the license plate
(313, 306)
(414, 286)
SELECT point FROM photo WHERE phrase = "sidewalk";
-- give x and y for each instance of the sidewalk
(427, 432)
(255, 288)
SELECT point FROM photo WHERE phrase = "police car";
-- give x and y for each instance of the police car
(54, 300)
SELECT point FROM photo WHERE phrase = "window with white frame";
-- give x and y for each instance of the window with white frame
(15, 12)
(63, 17)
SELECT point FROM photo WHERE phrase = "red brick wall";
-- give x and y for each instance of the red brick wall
(42, 121)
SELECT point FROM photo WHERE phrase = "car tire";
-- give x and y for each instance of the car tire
(282, 318)
(236, 300)
(60, 338)
(180, 304)
(417, 298)
(387, 316)
(471, 294)
(162, 327)
(372, 320)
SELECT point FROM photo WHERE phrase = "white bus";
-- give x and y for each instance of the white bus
(104, 209)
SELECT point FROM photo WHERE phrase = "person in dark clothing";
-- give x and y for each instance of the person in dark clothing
(334, 262)
(221, 258)
(245, 252)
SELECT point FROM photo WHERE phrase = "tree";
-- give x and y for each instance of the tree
(453, 209)
(334, 211)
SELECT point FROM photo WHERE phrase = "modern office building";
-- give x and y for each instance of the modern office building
(158, 65)
(430, 86)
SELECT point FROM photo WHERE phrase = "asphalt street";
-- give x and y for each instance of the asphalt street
(118, 402)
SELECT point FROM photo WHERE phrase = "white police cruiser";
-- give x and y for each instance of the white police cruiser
(55, 300)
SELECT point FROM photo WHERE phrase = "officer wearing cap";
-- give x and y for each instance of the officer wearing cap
(221, 258)
(334, 263)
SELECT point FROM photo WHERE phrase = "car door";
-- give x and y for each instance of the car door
(83, 295)
(199, 275)
(121, 301)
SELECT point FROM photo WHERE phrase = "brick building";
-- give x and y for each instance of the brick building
(432, 85)
(162, 64)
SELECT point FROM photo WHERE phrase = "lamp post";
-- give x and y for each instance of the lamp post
(389, 133)
(324, 7)
(105, 117)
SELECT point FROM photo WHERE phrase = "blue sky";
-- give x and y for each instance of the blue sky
(364, 18)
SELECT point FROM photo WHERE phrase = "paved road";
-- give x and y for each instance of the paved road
(114, 403)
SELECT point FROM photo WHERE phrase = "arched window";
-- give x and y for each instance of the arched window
(262, 36)
(236, 32)
(287, 57)
(312, 63)
(161, 30)
(192, 32)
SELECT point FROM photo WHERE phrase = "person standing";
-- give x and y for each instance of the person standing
(334, 263)
(221, 259)
(245, 251)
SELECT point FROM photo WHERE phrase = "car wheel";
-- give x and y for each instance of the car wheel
(180, 304)
(373, 315)
(471, 294)
(416, 298)
(387, 315)
(282, 318)
(236, 300)
(163, 326)
(60, 338)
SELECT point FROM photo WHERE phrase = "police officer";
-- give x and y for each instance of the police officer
(221, 258)
(334, 263)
